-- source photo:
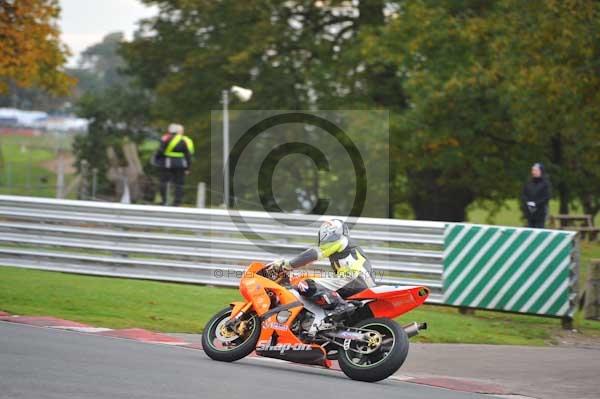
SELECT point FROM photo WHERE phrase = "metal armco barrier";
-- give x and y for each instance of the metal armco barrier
(204, 246)
(519, 270)
(510, 269)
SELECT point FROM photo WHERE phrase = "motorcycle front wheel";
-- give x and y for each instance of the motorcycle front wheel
(379, 358)
(221, 343)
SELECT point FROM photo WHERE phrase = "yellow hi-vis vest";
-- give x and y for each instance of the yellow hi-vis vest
(173, 143)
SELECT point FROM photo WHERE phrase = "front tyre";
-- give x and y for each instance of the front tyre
(227, 345)
(381, 357)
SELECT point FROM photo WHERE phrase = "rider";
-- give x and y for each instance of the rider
(351, 266)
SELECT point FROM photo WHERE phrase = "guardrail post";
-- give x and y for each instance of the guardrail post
(94, 182)
(167, 198)
(201, 195)
(591, 309)
(8, 169)
(566, 323)
(126, 197)
(29, 168)
(567, 320)
(84, 184)
(60, 176)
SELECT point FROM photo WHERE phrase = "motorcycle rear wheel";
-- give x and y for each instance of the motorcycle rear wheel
(383, 361)
(225, 345)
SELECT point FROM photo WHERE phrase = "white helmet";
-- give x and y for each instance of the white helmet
(175, 128)
(333, 236)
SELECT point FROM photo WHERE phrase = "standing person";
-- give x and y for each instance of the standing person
(174, 158)
(536, 196)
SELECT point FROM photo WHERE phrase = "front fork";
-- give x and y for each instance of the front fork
(238, 310)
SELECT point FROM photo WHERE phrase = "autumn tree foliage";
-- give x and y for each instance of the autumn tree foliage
(31, 53)
(477, 90)
(494, 86)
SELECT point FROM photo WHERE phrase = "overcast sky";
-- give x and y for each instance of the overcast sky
(85, 22)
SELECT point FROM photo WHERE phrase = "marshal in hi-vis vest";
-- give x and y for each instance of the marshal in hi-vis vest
(177, 152)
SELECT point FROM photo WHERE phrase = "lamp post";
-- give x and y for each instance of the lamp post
(243, 95)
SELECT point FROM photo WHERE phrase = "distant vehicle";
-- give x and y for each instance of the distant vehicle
(16, 118)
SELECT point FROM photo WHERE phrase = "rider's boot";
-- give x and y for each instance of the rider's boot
(335, 308)
(334, 305)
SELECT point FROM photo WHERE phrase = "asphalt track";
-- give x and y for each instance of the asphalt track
(44, 363)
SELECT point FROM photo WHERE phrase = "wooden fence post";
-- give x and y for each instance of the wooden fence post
(591, 309)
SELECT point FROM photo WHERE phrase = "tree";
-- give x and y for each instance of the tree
(31, 54)
(454, 135)
(493, 86)
(548, 57)
(293, 54)
(478, 89)
(117, 113)
(100, 66)
(32, 98)
(118, 109)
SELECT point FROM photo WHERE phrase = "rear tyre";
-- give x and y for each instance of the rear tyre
(376, 362)
(222, 344)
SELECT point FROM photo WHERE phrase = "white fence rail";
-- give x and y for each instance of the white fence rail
(202, 246)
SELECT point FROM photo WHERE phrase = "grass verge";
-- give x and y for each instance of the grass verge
(510, 214)
(22, 158)
(122, 303)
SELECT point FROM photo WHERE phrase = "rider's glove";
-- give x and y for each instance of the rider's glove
(281, 265)
(531, 206)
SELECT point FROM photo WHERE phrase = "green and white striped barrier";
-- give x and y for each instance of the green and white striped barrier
(511, 269)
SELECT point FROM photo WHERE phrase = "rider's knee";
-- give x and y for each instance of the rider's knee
(307, 287)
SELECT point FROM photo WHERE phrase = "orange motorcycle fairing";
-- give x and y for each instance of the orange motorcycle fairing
(280, 320)
(274, 320)
(268, 299)
(387, 301)
(278, 341)
(392, 301)
(255, 293)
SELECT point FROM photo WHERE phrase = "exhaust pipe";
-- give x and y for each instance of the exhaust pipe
(413, 328)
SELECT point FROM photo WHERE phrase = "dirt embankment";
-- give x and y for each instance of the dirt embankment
(52, 164)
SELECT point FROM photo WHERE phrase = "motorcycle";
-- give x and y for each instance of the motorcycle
(275, 321)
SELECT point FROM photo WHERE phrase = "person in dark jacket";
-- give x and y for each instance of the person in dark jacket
(536, 196)
(174, 158)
